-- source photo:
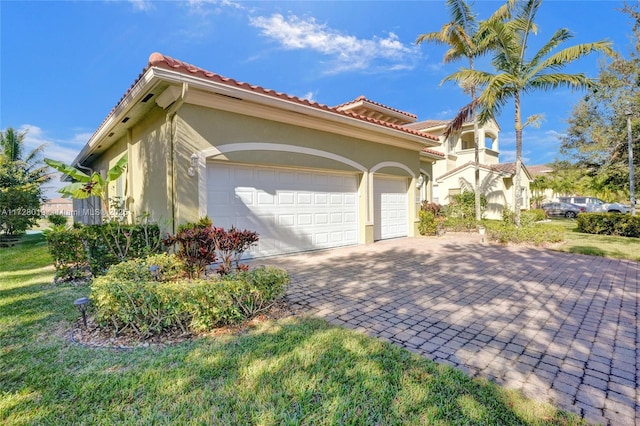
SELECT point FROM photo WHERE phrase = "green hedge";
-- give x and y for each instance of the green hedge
(66, 247)
(128, 297)
(623, 225)
(536, 234)
(99, 246)
(111, 243)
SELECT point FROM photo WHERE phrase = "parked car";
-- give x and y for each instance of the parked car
(561, 209)
(593, 204)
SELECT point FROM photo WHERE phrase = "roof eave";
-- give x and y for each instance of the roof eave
(265, 99)
(153, 75)
(143, 85)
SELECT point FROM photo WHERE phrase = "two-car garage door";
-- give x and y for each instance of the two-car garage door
(292, 210)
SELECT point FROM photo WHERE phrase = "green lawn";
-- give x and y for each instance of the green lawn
(597, 245)
(291, 371)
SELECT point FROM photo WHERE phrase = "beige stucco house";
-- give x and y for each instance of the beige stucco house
(303, 175)
(456, 173)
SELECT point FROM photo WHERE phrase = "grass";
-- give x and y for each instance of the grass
(597, 245)
(292, 371)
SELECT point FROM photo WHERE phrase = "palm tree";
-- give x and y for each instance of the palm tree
(12, 152)
(516, 75)
(466, 38)
(21, 179)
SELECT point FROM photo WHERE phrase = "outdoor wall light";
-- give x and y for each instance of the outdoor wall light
(191, 171)
(82, 307)
(419, 181)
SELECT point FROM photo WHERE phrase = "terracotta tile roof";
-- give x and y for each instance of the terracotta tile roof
(362, 98)
(162, 61)
(432, 152)
(539, 169)
(504, 167)
(166, 62)
(427, 124)
(509, 168)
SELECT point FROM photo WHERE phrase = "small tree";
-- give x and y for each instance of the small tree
(21, 177)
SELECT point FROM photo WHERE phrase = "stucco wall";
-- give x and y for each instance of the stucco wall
(200, 128)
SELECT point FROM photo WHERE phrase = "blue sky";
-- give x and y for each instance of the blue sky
(65, 65)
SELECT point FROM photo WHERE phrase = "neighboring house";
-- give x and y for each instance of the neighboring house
(303, 175)
(540, 191)
(62, 206)
(457, 172)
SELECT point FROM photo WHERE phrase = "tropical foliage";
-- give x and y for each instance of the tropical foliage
(85, 186)
(21, 178)
(517, 73)
(466, 38)
(596, 139)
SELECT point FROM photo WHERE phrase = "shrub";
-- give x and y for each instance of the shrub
(127, 297)
(529, 217)
(461, 213)
(196, 247)
(536, 234)
(508, 215)
(57, 219)
(67, 249)
(428, 224)
(113, 242)
(200, 244)
(258, 289)
(623, 225)
(170, 268)
(230, 246)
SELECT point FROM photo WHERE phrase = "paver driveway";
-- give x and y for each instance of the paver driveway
(560, 327)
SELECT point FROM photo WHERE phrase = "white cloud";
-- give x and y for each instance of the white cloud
(141, 5)
(310, 96)
(203, 8)
(62, 150)
(348, 52)
(509, 156)
(57, 149)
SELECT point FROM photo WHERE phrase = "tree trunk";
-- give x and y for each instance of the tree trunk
(476, 148)
(518, 181)
(476, 158)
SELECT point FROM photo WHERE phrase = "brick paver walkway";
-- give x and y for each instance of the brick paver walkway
(560, 327)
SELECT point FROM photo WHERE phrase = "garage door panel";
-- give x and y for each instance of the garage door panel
(391, 208)
(291, 210)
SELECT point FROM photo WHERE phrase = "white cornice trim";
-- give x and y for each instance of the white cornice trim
(392, 164)
(260, 146)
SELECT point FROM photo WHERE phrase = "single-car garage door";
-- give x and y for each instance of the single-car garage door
(292, 210)
(391, 208)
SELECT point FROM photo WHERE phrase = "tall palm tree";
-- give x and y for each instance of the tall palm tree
(516, 74)
(466, 38)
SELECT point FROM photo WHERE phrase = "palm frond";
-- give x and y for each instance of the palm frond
(558, 37)
(570, 54)
(462, 15)
(556, 80)
(463, 116)
(534, 120)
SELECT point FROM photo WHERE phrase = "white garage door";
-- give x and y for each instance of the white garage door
(391, 208)
(292, 210)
